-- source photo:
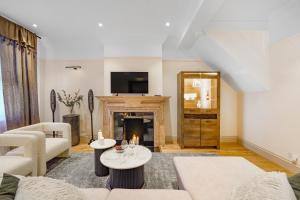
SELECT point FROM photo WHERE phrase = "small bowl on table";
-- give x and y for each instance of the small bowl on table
(119, 149)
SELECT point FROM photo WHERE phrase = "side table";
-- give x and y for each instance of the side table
(100, 169)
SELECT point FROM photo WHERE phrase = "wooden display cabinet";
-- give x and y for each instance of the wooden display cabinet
(198, 109)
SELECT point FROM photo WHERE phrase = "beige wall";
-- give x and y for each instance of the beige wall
(134, 64)
(95, 74)
(228, 95)
(271, 119)
(54, 75)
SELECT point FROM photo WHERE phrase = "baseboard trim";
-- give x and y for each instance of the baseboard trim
(228, 139)
(270, 156)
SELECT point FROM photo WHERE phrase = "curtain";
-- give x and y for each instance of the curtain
(2, 110)
(19, 75)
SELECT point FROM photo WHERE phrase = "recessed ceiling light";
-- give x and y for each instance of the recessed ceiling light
(35, 25)
(100, 25)
(168, 24)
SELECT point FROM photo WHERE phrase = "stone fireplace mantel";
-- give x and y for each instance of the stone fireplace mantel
(156, 104)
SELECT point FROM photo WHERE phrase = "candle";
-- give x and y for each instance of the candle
(137, 140)
(100, 138)
(133, 139)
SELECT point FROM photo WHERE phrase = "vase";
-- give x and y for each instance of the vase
(71, 109)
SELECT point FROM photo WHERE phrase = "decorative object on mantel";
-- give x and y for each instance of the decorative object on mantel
(53, 106)
(70, 101)
(72, 119)
(91, 108)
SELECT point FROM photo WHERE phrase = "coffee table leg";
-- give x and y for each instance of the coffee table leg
(100, 170)
(128, 178)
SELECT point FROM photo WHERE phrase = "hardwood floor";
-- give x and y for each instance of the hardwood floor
(226, 149)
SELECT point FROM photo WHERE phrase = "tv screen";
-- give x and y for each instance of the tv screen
(129, 82)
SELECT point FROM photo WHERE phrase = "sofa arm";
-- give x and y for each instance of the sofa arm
(30, 143)
(41, 145)
(65, 128)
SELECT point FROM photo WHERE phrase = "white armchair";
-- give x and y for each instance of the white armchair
(48, 148)
(22, 164)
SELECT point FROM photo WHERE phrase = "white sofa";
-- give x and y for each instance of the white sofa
(199, 178)
(128, 194)
(148, 194)
(22, 164)
(213, 178)
(48, 148)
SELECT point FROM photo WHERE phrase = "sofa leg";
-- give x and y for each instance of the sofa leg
(64, 154)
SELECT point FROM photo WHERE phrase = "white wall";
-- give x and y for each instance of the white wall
(151, 65)
(271, 118)
(95, 74)
(228, 95)
(55, 76)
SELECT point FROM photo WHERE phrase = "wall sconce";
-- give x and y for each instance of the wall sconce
(73, 67)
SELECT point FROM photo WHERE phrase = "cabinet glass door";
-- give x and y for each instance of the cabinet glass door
(200, 91)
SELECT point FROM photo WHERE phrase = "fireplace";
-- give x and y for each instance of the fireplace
(138, 104)
(134, 125)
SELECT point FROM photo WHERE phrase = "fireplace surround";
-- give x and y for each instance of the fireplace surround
(130, 104)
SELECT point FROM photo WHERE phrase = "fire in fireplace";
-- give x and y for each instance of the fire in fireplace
(134, 126)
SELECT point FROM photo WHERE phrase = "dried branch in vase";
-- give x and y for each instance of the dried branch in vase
(70, 101)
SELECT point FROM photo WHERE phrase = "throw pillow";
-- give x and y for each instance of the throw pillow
(37, 188)
(8, 187)
(265, 186)
(295, 183)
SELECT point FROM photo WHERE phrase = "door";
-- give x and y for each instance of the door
(191, 131)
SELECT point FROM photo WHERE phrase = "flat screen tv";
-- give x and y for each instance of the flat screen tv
(129, 82)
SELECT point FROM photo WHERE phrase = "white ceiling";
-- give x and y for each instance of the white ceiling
(61, 23)
(69, 28)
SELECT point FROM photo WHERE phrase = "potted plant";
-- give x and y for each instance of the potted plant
(73, 119)
(70, 101)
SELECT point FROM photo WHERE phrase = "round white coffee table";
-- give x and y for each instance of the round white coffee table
(101, 170)
(127, 168)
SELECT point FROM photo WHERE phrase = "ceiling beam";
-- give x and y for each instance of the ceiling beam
(195, 28)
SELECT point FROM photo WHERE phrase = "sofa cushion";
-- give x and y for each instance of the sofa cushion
(55, 146)
(213, 177)
(126, 194)
(8, 187)
(40, 188)
(19, 151)
(269, 185)
(15, 165)
(95, 193)
(295, 183)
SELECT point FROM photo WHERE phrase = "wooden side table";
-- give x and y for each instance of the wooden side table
(100, 169)
(74, 121)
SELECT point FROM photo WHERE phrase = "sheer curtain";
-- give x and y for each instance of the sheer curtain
(2, 109)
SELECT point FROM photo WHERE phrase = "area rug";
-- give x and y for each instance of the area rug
(78, 170)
